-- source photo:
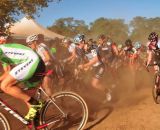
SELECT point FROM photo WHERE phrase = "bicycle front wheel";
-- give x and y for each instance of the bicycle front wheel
(66, 110)
(4, 124)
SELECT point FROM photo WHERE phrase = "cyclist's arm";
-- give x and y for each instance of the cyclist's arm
(115, 50)
(72, 57)
(150, 57)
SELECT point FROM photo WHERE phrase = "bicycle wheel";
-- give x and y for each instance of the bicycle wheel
(156, 90)
(66, 110)
(4, 124)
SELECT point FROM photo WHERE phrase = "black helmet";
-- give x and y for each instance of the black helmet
(128, 42)
(153, 36)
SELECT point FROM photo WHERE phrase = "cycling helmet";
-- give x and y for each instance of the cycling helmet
(128, 42)
(31, 38)
(78, 38)
(92, 46)
(153, 36)
(137, 45)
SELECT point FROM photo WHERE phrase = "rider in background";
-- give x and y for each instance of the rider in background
(36, 42)
(98, 69)
(68, 52)
(153, 51)
(128, 51)
(137, 51)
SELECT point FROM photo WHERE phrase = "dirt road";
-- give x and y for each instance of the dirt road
(133, 110)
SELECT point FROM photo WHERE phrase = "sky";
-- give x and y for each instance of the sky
(90, 10)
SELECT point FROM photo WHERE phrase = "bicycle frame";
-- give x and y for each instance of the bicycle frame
(13, 112)
(18, 116)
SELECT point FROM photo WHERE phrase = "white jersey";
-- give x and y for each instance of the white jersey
(93, 54)
(71, 47)
(40, 50)
(25, 59)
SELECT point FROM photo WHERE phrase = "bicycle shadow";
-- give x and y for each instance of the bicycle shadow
(101, 115)
(71, 124)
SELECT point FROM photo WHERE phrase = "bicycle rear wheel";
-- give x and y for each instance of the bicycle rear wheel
(156, 89)
(66, 110)
(4, 124)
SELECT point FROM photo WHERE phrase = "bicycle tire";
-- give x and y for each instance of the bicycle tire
(154, 89)
(4, 124)
(59, 96)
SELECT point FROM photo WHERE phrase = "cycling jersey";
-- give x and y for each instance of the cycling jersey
(25, 59)
(156, 51)
(40, 50)
(57, 67)
(94, 53)
(80, 55)
(129, 51)
(71, 47)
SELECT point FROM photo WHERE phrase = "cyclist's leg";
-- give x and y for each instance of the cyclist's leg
(98, 74)
(47, 85)
(23, 72)
(8, 86)
(96, 82)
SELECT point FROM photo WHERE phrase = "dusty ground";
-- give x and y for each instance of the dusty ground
(134, 108)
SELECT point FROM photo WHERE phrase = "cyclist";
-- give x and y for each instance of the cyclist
(69, 54)
(128, 48)
(27, 65)
(36, 42)
(137, 51)
(153, 50)
(108, 49)
(3, 40)
(98, 68)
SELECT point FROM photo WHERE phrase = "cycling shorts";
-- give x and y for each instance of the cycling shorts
(98, 71)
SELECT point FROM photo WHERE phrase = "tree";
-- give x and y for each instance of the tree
(114, 28)
(69, 27)
(11, 8)
(142, 27)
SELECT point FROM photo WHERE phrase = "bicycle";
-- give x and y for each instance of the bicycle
(63, 110)
(156, 87)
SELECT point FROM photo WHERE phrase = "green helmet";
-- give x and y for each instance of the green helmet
(53, 50)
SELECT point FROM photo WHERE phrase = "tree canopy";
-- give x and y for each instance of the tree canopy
(69, 26)
(11, 8)
(142, 27)
(116, 28)
(137, 30)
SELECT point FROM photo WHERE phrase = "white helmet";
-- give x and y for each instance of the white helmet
(78, 38)
(32, 38)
